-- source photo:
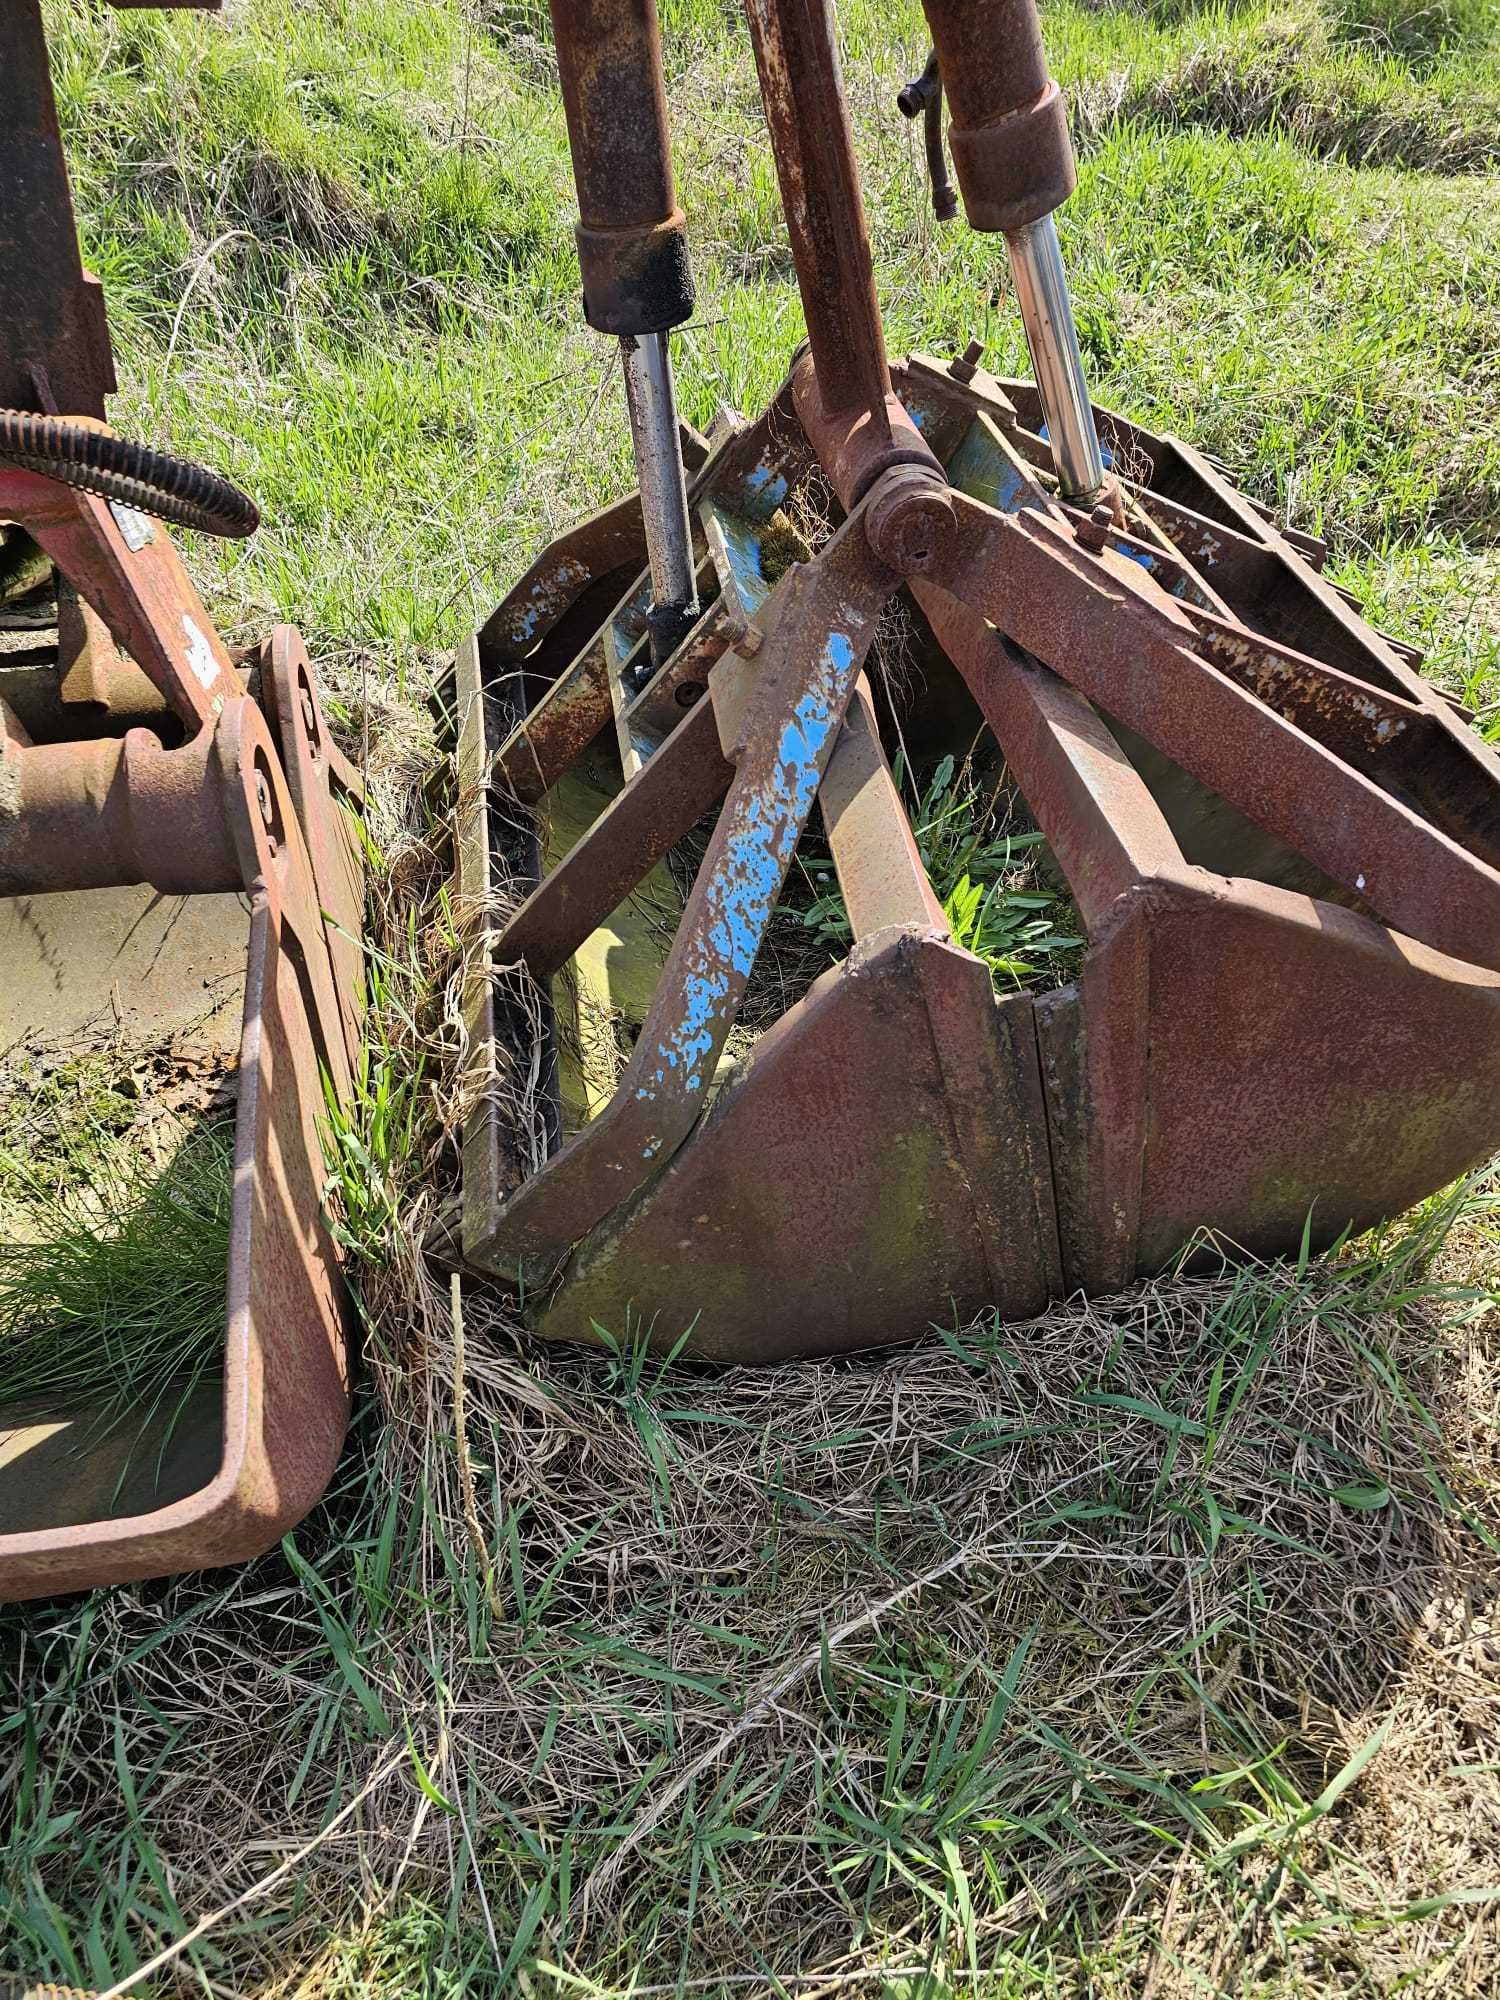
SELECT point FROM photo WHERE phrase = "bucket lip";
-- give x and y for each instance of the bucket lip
(285, 1395)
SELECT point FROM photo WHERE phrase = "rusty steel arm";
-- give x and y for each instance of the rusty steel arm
(1138, 657)
(660, 806)
(141, 591)
(881, 874)
(802, 89)
(778, 718)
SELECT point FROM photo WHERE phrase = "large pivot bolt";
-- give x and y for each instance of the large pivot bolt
(909, 518)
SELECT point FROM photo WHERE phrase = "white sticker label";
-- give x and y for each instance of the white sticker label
(133, 525)
(200, 654)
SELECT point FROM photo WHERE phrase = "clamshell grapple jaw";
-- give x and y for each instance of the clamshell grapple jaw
(1283, 845)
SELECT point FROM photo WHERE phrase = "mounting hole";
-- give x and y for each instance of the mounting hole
(309, 714)
(689, 692)
(268, 809)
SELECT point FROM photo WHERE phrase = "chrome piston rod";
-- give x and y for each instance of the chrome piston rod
(652, 403)
(1051, 334)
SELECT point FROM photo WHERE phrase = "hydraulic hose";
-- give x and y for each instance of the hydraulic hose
(116, 468)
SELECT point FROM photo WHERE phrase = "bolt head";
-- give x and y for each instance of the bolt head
(962, 369)
(910, 518)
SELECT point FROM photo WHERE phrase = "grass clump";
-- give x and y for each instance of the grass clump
(1064, 1652)
(112, 1280)
(986, 871)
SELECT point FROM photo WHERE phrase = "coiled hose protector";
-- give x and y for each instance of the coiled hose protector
(118, 468)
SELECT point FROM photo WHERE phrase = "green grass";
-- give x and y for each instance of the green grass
(1134, 1652)
(984, 861)
(112, 1274)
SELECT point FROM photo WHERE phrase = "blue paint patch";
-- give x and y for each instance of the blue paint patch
(746, 562)
(758, 853)
(980, 468)
(764, 492)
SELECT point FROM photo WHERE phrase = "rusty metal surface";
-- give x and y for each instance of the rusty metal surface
(802, 90)
(880, 871)
(141, 591)
(490, 1165)
(632, 243)
(286, 1386)
(54, 338)
(96, 814)
(573, 710)
(749, 474)
(857, 442)
(328, 799)
(1009, 130)
(493, 844)
(653, 713)
(91, 669)
(1350, 1074)
(595, 548)
(662, 804)
(829, 1200)
(1135, 656)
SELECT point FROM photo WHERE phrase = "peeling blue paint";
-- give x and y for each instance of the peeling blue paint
(1144, 557)
(1182, 588)
(765, 489)
(547, 593)
(980, 469)
(746, 561)
(758, 853)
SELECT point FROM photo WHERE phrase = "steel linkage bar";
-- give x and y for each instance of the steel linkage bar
(779, 724)
(1139, 658)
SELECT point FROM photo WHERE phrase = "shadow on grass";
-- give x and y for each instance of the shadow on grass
(1113, 1644)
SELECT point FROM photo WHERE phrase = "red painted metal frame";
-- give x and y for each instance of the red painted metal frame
(257, 804)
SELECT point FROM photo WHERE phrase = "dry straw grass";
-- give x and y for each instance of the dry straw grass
(1042, 1646)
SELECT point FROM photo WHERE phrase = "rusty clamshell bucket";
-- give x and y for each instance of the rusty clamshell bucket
(1283, 845)
(173, 824)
